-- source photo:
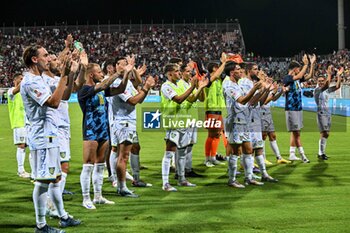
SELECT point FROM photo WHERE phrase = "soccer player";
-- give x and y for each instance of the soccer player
(18, 124)
(254, 120)
(293, 106)
(236, 125)
(39, 103)
(191, 106)
(321, 95)
(92, 102)
(177, 138)
(268, 127)
(108, 68)
(52, 77)
(214, 104)
(123, 132)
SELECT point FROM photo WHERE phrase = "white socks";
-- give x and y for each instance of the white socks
(180, 163)
(261, 162)
(248, 165)
(188, 166)
(113, 164)
(292, 151)
(168, 155)
(232, 167)
(97, 179)
(56, 197)
(63, 181)
(31, 163)
(21, 155)
(275, 149)
(135, 166)
(39, 199)
(301, 151)
(85, 180)
(322, 146)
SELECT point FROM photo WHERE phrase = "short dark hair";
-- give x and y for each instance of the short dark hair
(175, 60)
(29, 52)
(170, 67)
(108, 62)
(16, 75)
(249, 66)
(183, 67)
(229, 66)
(211, 65)
(294, 64)
(117, 59)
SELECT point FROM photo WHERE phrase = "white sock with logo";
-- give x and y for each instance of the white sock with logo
(97, 179)
(232, 167)
(135, 166)
(168, 155)
(113, 158)
(39, 199)
(261, 162)
(56, 197)
(21, 156)
(85, 180)
(322, 146)
(275, 149)
(63, 181)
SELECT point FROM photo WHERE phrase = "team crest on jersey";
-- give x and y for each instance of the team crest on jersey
(37, 93)
(51, 170)
(63, 155)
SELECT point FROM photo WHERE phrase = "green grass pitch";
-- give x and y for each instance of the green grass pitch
(309, 197)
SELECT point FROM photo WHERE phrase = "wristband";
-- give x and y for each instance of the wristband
(144, 90)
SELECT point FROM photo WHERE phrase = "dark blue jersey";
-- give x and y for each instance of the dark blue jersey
(95, 118)
(293, 95)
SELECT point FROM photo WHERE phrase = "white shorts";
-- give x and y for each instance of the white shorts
(256, 136)
(64, 144)
(267, 124)
(238, 134)
(113, 136)
(46, 163)
(294, 120)
(324, 122)
(126, 134)
(181, 137)
(19, 135)
(194, 135)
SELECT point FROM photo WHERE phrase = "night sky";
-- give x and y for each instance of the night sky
(270, 27)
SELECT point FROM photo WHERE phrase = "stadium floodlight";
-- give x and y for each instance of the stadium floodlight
(341, 26)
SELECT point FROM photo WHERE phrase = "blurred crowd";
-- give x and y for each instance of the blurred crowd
(153, 47)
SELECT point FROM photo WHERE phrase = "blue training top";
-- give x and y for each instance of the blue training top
(95, 119)
(293, 95)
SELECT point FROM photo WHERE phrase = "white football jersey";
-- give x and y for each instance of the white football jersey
(118, 106)
(43, 130)
(62, 110)
(236, 113)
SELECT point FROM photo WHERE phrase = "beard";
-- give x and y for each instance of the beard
(255, 78)
(55, 71)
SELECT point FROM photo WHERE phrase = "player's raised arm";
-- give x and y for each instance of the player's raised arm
(218, 72)
(302, 72)
(181, 98)
(55, 99)
(79, 82)
(139, 98)
(245, 99)
(312, 59)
